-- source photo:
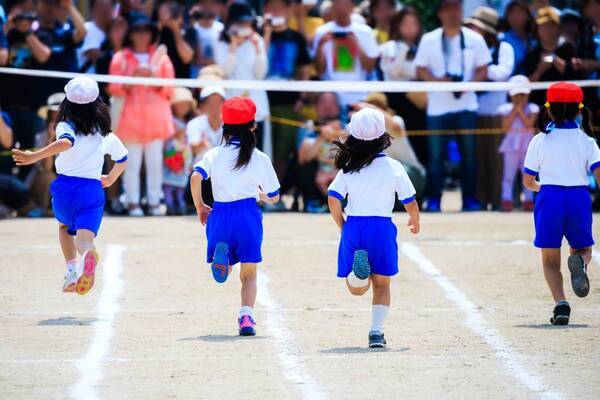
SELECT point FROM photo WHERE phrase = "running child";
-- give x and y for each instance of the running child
(240, 175)
(83, 138)
(368, 252)
(561, 157)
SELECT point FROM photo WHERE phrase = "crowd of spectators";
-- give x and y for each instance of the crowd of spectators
(167, 129)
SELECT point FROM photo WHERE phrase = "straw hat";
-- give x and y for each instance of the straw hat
(486, 19)
(379, 100)
(181, 94)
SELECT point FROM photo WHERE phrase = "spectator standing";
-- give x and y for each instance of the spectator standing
(452, 53)
(306, 19)
(3, 41)
(345, 50)
(288, 59)
(519, 25)
(485, 21)
(146, 118)
(381, 13)
(13, 192)
(204, 17)
(91, 48)
(114, 42)
(179, 39)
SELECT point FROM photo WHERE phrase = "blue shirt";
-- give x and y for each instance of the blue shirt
(521, 47)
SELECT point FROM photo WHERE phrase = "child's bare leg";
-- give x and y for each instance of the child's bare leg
(357, 288)
(67, 243)
(84, 241)
(248, 278)
(585, 253)
(554, 278)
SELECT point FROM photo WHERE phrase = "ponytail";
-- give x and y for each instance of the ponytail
(544, 120)
(247, 141)
(559, 113)
(586, 122)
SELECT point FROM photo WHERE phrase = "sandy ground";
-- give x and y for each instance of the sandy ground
(469, 317)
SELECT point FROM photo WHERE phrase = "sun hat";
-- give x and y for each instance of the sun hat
(82, 90)
(486, 19)
(240, 11)
(367, 124)
(52, 104)
(564, 92)
(210, 90)
(521, 80)
(547, 14)
(238, 110)
(181, 94)
(379, 99)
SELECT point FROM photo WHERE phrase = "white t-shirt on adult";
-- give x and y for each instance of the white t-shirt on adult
(198, 130)
(94, 38)
(86, 156)
(230, 184)
(371, 191)
(430, 55)
(208, 37)
(342, 62)
(562, 157)
(500, 72)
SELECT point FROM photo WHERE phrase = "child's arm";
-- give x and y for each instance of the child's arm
(597, 175)
(269, 200)
(530, 183)
(413, 224)
(113, 175)
(196, 187)
(508, 120)
(335, 209)
(30, 157)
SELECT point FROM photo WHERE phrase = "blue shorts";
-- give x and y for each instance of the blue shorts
(375, 235)
(563, 211)
(239, 224)
(78, 203)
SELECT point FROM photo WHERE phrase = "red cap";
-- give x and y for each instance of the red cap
(238, 110)
(564, 92)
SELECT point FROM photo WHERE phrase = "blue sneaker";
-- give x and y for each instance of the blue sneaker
(470, 204)
(433, 206)
(360, 264)
(220, 264)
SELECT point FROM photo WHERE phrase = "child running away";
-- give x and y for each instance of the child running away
(368, 252)
(561, 156)
(240, 175)
(83, 138)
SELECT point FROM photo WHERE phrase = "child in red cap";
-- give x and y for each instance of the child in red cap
(240, 176)
(561, 158)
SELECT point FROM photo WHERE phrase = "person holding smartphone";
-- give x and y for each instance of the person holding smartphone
(179, 39)
(205, 19)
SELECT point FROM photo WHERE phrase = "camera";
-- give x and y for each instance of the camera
(456, 78)
(28, 16)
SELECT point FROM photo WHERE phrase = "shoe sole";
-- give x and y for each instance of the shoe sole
(360, 264)
(579, 280)
(70, 289)
(247, 332)
(220, 264)
(560, 320)
(85, 283)
(377, 345)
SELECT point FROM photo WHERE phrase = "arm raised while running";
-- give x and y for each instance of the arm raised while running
(26, 157)
(196, 187)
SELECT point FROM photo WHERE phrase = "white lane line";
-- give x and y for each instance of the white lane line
(90, 366)
(474, 320)
(290, 358)
(596, 256)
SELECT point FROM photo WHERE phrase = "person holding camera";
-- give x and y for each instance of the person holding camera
(205, 18)
(180, 40)
(91, 48)
(452, 53)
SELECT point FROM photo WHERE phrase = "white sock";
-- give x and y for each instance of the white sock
(356, 282)
(378, 315)
(72, 264)
(245, 310)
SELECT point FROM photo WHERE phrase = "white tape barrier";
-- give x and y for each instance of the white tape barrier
(301, 86)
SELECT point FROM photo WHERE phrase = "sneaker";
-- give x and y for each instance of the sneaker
(579, 279)
(433, 206)
(136, 212)
(71, 277)
(528, 206)
(507, 206)
(156, 211)
(220, 266)
(377, 340)
(562, 312)
(247, 325)
(316, 207)
(470, 205)
(89, 262)
(360, 264)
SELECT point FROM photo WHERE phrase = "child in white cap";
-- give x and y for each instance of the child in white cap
(368, 252)
(518, 121)
(83, 137)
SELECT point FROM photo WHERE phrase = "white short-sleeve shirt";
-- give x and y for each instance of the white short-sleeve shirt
(430, 55)
(199, 129)
(562, 157)
(230, 184)
(86, 156)
(371, 191)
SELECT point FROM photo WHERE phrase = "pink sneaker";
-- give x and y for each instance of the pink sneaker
(88, 276)
(247, 325)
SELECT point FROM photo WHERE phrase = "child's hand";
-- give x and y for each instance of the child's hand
(21, 157)
(106, 181)
(414, 226)
(203, 213)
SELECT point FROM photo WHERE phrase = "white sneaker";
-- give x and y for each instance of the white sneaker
(136, 212)
(156, 211)
(71, 277)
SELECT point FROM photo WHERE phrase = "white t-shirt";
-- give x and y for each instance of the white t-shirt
(230, 184)
(371, 191)
(208, 37)
(94, 38)
(490, 101)
(562, 157)
(430, 55)
(199, 129)
(142, 58)
(342, 62)
(86, 157)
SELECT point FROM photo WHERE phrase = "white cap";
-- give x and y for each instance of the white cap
(520, 79)
(210, 90)
(82, 90)
(367, 124)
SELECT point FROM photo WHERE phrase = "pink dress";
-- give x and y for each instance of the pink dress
(518, 136)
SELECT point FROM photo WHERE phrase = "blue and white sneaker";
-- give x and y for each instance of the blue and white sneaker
(220, 264)
(377, 340)
(360, 264)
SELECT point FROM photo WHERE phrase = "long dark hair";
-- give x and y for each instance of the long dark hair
(88, 119)
(245, 134)
(355, 154)
(565, 112)
(529, 26)
(398, 19)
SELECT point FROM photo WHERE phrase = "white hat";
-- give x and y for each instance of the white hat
(522, 80)
(82, 90)
(367, 124)
(210, 90)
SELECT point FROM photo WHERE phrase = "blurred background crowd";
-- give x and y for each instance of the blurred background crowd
(168, 129)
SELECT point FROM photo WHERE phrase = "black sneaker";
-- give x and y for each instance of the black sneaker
(562, 312)
(579, 279)
(376, 340)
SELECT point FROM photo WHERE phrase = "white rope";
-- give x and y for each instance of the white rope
(301, 86)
